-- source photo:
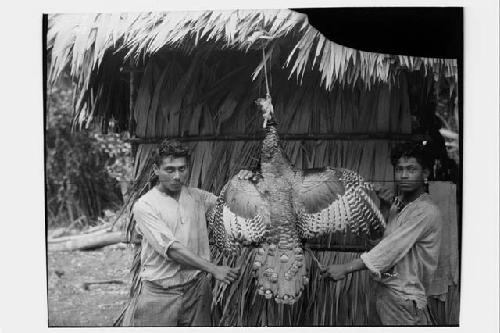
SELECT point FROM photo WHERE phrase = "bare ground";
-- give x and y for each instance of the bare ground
(69, 304)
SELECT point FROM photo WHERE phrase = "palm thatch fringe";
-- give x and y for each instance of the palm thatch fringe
(102, 44)
(82, 41)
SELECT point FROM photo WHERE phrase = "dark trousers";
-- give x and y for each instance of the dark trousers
(184, 305)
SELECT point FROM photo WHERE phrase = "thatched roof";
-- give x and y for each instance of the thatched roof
(82, 41)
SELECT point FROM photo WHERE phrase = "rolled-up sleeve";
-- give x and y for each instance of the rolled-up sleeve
(396, 245)
(209, 199)
(152, 228)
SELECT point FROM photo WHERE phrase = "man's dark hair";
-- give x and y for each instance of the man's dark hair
(412, 149)
(171, 147)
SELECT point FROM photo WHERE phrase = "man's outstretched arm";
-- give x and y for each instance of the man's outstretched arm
(180, 254)
(161, 238)
(389, 251)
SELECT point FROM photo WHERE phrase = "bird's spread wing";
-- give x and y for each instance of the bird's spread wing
(317, 190)
(332, 200)
(240, 215)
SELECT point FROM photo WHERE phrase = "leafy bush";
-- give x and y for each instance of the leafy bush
(78, 184)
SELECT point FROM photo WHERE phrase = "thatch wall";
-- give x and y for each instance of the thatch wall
(212, 96)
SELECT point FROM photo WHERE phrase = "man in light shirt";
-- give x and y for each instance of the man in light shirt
(404, 261)
(175, 254)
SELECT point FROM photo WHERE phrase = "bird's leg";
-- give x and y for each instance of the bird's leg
(267, 109)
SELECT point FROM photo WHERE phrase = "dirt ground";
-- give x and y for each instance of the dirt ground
(69, 304)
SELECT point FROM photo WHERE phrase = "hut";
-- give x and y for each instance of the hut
(195, 75)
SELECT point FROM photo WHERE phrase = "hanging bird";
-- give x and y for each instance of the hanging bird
(281, 207)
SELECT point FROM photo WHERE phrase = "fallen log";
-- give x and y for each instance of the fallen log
(88, 241)
(86, 285)
(80, 235)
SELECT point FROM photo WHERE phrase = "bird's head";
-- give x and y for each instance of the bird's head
(266, 107)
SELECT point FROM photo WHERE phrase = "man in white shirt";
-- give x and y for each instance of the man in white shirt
(175, 254)
(404, 261)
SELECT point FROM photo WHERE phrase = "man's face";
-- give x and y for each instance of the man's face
(410, 174)
(172, 173)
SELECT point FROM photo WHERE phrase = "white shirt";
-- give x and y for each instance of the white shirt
(408, 253)
(162, 220)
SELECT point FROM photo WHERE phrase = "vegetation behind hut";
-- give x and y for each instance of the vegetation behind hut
(83, 169)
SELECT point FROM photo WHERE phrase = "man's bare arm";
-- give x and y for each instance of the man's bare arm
(183, 256)
(339, 272)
